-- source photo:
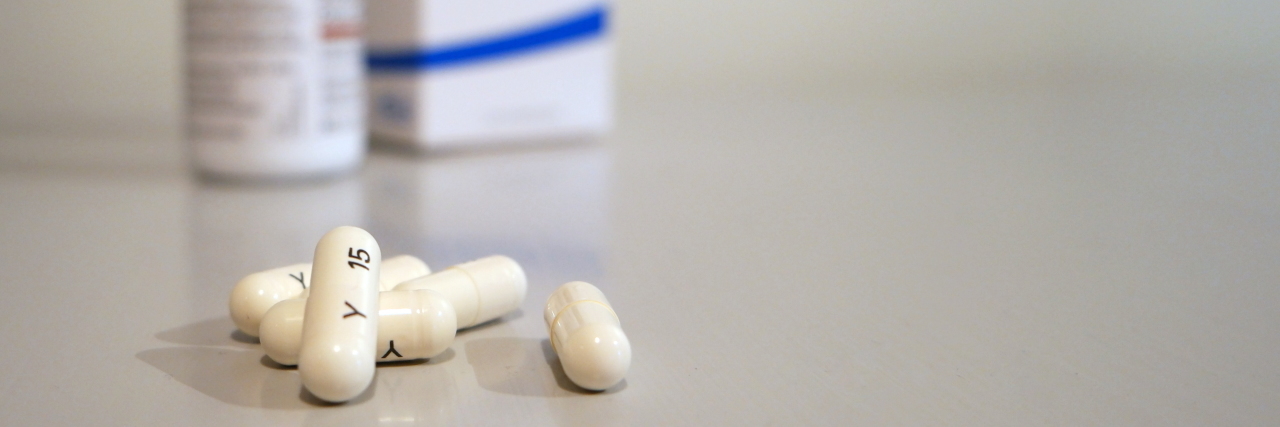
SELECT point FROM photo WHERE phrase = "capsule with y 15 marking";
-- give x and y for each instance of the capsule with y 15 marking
(411, 325)
(420, 318)
(258, 292)
(480, 290)
(340, 330)
(587, 336)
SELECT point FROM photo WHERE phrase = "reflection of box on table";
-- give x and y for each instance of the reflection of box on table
(545, 207)
(447, 73)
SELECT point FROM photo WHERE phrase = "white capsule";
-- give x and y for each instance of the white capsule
(480, 290)
(587, 336)
(411, 325)
(257, 292)
(340, 331)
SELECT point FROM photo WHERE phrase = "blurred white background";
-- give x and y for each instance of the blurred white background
(114, 66)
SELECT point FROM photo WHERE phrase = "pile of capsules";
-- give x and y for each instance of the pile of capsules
(353, 310)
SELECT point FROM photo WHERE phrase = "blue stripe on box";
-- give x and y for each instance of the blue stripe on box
(580, 26)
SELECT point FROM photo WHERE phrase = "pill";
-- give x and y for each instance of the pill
(411, 325)
(586, 334)
(480, 290)
(257, 292)
(340, 330)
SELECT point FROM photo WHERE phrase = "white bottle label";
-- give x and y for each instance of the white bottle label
(342, 66)
(272, 71)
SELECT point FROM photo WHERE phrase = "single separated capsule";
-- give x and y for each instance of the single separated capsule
(480, 290)
(587, 336)
(411, 325)
(420, 317)
(340, 331)
(258, 292)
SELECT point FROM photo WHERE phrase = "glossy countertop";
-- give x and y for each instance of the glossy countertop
(1061, 253)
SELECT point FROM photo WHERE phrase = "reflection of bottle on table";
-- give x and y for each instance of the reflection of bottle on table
(235, 230)
(274, 88)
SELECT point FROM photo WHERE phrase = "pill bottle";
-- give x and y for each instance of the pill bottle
(274, 88)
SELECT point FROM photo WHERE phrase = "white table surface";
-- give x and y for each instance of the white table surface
(1038, 254)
